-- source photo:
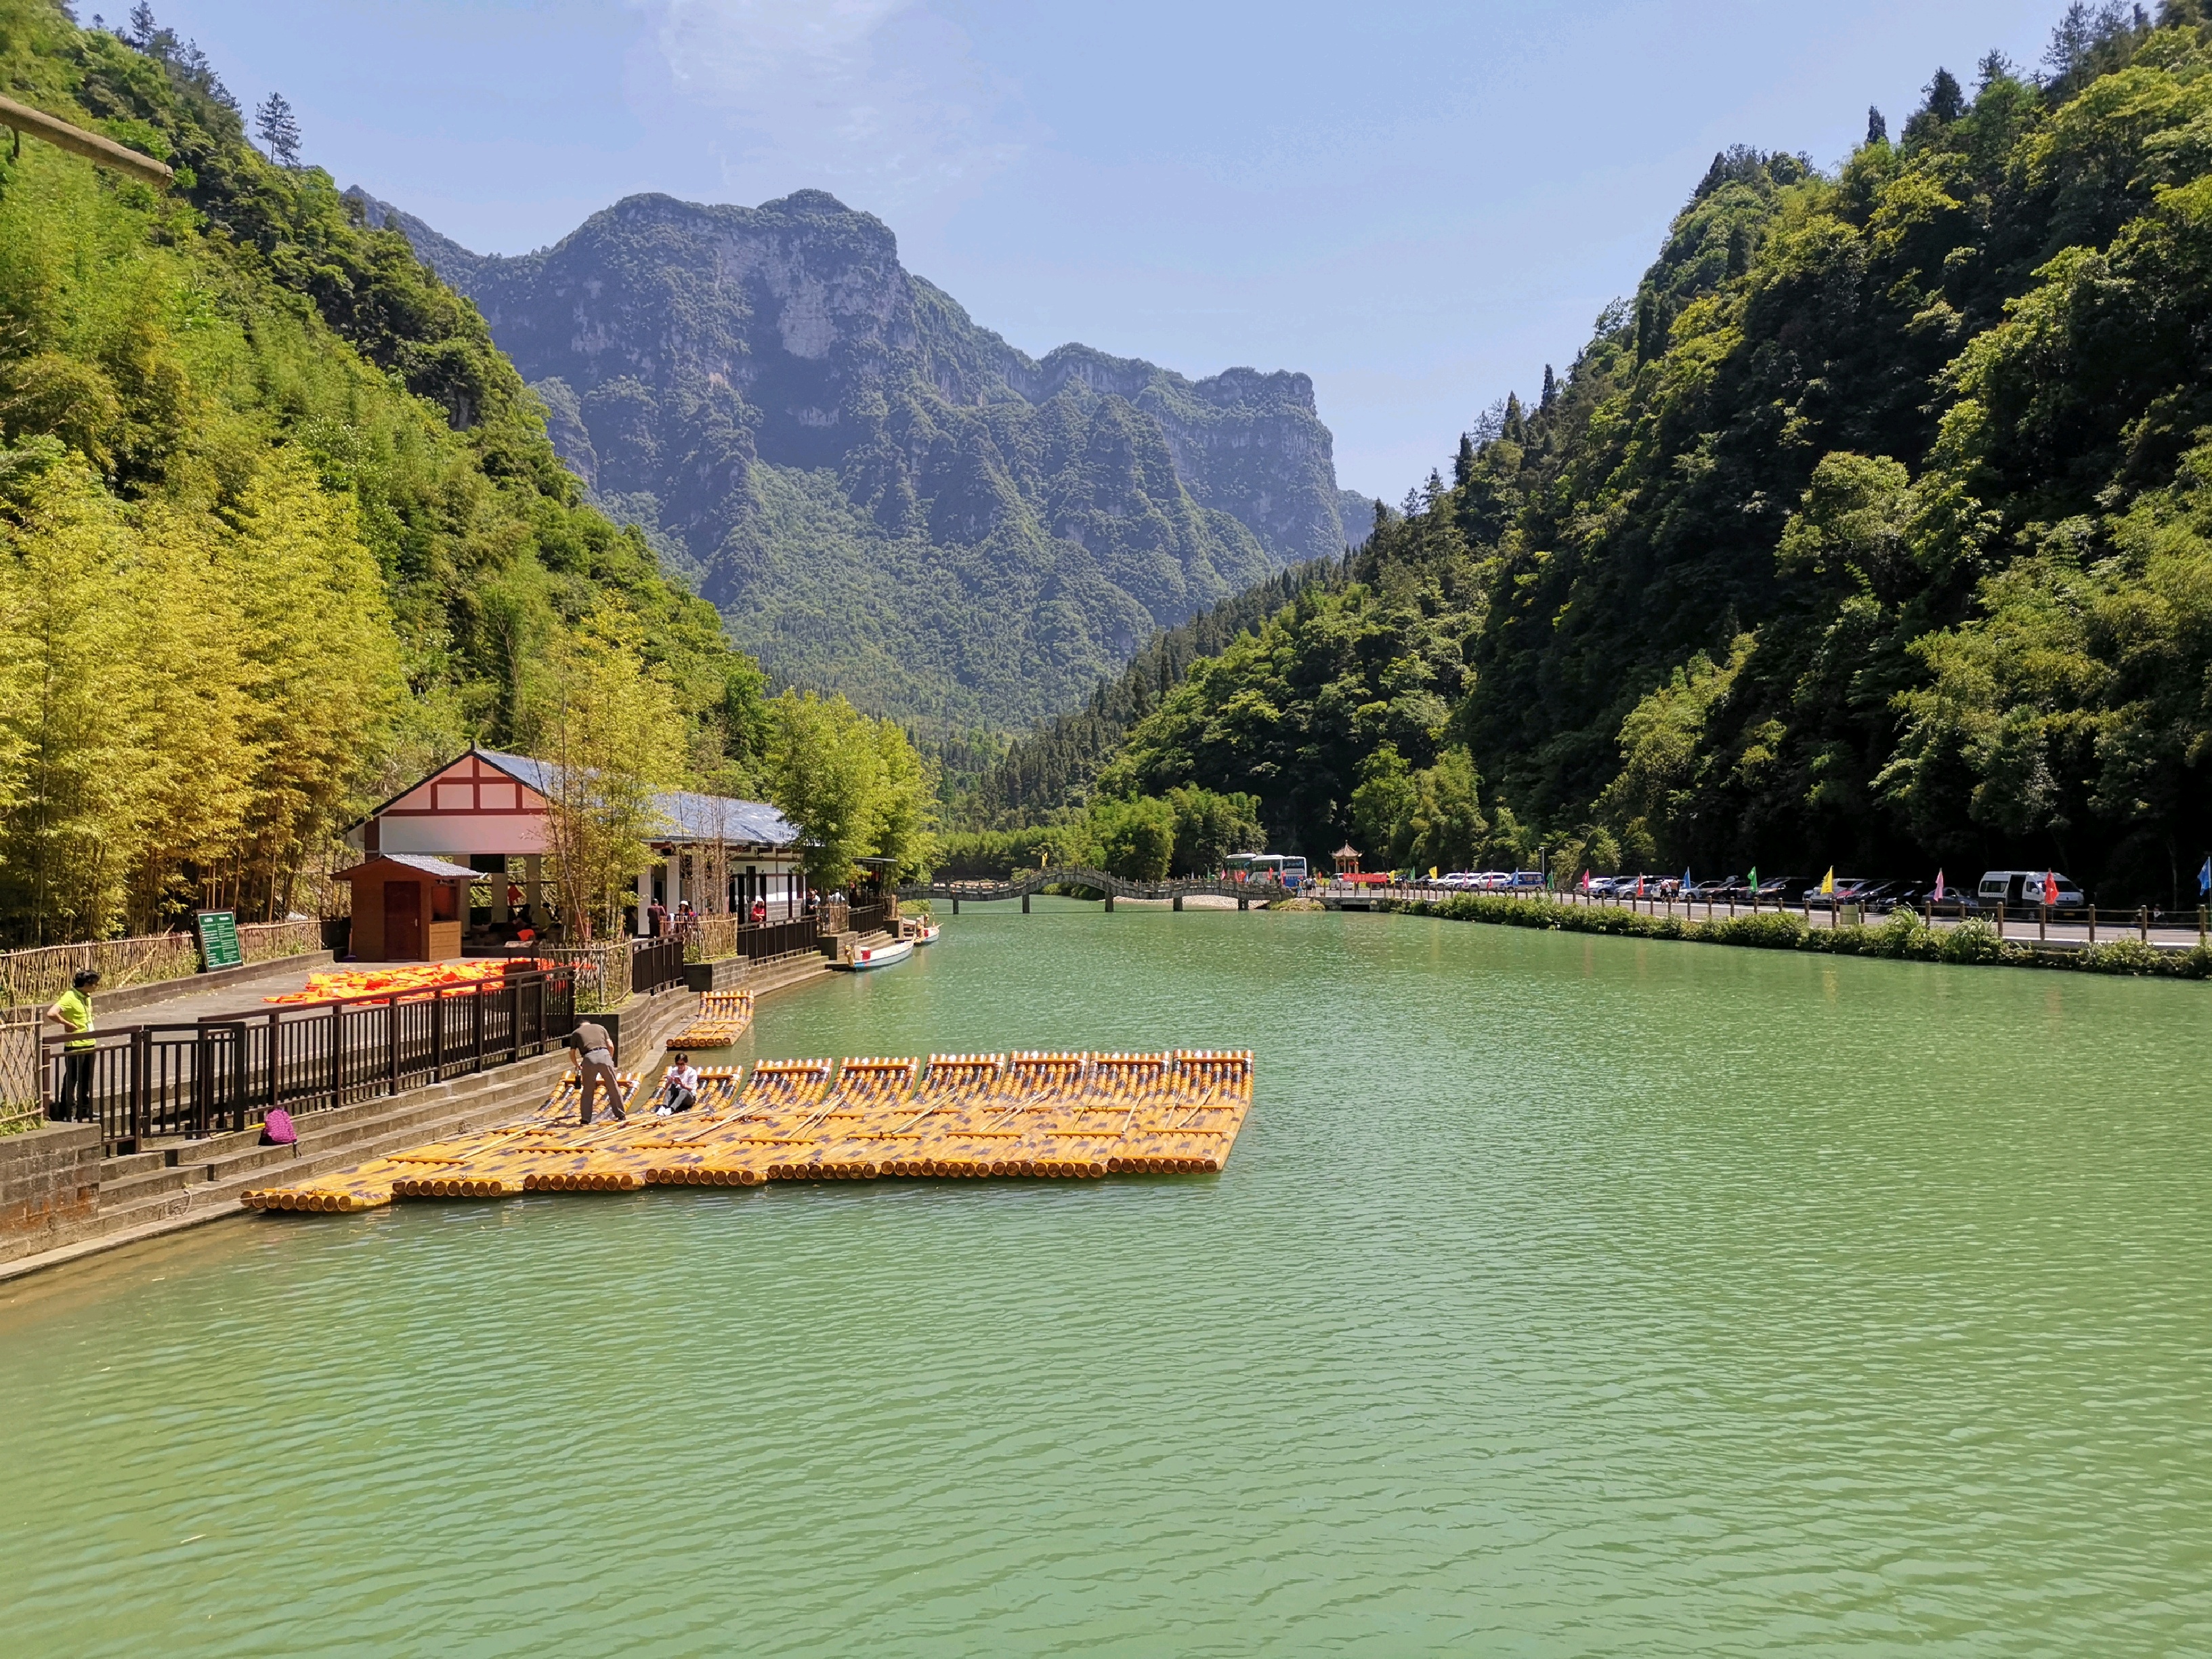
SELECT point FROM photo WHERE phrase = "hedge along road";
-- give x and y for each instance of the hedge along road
(1563, 1294)
(1971, 941)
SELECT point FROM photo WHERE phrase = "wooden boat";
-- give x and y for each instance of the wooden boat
(866, 957)
(921, 932)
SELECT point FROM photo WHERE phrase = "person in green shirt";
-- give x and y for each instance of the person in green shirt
(72, 1011)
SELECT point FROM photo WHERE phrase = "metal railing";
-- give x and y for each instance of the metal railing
(655, 962)
(224, 1072)
(776, 938)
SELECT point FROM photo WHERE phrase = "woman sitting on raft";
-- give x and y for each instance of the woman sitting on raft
(681, 1091)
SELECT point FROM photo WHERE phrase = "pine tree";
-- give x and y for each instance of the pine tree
(1463, 463)
(1739, 248)
(1647, 327)
(1946, 100)
(1516, 428)
(1551, 389)
(1994, 67)
(141, 30)
(279, 132)
(1877, 127)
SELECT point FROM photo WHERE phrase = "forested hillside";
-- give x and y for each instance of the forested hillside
(880, 495)
(1871, 531)
(279, 525)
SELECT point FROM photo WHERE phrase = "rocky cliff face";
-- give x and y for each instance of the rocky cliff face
(881, 497)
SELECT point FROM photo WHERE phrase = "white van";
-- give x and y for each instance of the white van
(2024, 887)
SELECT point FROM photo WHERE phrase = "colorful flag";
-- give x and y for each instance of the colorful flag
(2050, 888)
(1585, 884)
(1639, 881)
(1939, 887)
(2204, 877)
(1828, 882)
(1755, 881)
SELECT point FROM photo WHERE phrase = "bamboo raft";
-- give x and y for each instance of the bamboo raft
(723, 1018)
(1052, 1115)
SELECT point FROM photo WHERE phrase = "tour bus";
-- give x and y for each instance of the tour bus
(1287, 868)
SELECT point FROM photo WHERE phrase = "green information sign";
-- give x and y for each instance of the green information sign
(218, 930)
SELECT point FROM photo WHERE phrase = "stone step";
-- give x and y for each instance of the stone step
(213, 1149)
(130, 1164)
(328, 1141)
(408, 1128)
(410, 1120)
(120, 1192)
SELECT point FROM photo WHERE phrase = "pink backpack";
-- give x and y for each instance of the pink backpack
(276, 1128)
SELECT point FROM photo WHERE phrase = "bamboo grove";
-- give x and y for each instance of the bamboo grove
(283, 528)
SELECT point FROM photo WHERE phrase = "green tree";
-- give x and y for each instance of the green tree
(854, 787)
(1135, 838)
(613, 731)
(1382, 808)
(1209, 826)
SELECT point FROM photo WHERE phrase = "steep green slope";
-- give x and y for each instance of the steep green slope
(878, 494)
(279, 520)
(1050, 767)
(1872, 533)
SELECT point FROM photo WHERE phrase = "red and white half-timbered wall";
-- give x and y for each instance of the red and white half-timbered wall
(471, 807)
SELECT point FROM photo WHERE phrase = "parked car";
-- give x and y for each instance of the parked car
(1719, 890)
(1525, 881)
(2025, 887)
(1849, 889)
(1780, 890)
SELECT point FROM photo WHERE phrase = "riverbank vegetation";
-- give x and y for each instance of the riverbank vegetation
(280, 528)
(1187, 831)
(1902, 936)
(1873, 531)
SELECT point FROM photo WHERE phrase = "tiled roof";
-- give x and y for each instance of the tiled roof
(428, 866)
(686, 816)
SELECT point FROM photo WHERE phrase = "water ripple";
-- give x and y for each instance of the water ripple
(1563, 1297)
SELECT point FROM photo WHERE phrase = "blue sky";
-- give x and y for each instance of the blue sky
(1418, 204)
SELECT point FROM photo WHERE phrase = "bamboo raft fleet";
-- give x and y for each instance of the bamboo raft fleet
(967, 1116)
(723, 1018)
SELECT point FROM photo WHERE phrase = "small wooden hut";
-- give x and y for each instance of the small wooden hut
(407, 908)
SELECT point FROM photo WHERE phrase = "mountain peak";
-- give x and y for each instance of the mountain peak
(882, 496)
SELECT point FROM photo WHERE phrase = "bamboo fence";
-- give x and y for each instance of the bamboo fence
(37, 976)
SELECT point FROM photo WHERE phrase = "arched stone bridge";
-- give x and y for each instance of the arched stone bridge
(1099, 881)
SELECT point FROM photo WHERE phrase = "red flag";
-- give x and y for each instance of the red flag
(2051, 888)
(1639, 887)
(1939, 887)
(1585, 884)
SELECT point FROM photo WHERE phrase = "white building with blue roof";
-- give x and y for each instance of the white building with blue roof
(485, 808)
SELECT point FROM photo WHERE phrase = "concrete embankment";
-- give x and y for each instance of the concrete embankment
(61, 1201)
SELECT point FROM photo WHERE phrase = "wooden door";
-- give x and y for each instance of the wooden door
(402, 921)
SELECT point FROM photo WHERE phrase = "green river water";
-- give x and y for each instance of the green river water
(1564, 1295)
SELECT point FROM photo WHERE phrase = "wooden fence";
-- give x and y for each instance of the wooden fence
(37, 976)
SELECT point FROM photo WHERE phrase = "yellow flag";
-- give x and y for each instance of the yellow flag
(1432, 873)
(1828, 882)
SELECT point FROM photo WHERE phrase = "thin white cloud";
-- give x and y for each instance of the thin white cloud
(882, 96)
